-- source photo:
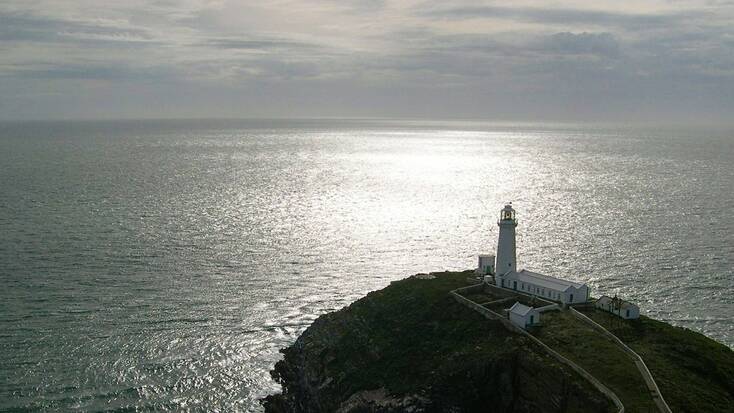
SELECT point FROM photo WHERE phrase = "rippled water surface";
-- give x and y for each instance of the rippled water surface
(162, 265)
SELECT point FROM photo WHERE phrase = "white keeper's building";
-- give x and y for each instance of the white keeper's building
(523, 281)
(545, 286)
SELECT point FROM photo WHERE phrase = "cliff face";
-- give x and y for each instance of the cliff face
(411, 347)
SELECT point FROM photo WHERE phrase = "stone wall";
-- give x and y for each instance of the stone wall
(505, 322)
(486, 312)
(652, 387)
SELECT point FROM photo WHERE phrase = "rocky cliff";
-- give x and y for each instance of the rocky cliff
(411, 347)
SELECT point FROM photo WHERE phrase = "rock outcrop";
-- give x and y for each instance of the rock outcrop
(411, 348)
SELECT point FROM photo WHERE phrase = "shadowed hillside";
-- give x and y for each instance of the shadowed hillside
(411, 347)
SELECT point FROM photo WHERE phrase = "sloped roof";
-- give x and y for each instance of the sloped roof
(605, 299)
(544, 280)
(520, 309)
(627, 304)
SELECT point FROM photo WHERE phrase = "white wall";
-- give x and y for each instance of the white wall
(517, 320)
(484, 262)
(579, 295)
(634, 312)
(522, 322)
(506, 248)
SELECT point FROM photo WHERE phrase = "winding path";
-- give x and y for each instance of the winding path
(487, 313)
(650, 383)
(652, 387)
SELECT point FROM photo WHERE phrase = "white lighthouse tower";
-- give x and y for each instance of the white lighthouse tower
(526, 282)
(506, 257)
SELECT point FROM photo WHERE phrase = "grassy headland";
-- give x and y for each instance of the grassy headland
(598, 355)
(694, 373)
(412, 347)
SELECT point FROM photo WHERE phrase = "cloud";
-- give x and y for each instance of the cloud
(19, 27)
(258, 44)
(93, 72)
(599, 44)
(373, 58)
(564, 16)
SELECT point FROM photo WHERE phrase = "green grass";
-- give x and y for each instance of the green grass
(427, 323)
(489, 296)
(529, 301)
(481, 297)
(599, 356)
(413, 337)
(500, 308)
(693, 372)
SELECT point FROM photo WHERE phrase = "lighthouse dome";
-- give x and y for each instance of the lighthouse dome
(507, 213)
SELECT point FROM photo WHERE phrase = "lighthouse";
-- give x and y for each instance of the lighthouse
(506, 257)
(525, 282)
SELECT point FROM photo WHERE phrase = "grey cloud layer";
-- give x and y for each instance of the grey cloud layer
(28, 28)
(564, 16)
(369, 59)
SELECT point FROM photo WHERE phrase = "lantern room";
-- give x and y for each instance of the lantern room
(507, 213)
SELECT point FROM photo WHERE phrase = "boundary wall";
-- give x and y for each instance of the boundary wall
(652, 387)
(487, 313)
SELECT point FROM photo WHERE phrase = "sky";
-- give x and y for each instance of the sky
(607, 60)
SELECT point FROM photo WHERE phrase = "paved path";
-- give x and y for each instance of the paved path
(652, 387)
(487, 313)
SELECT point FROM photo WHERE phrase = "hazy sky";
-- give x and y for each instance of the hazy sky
(606, 60)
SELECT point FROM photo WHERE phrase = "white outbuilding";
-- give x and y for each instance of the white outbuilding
(524, 316)
(618, 306)
(486, 264)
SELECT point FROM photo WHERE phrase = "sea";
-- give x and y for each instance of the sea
(162, 264)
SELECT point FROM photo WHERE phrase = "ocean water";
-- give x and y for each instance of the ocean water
(161, 264)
